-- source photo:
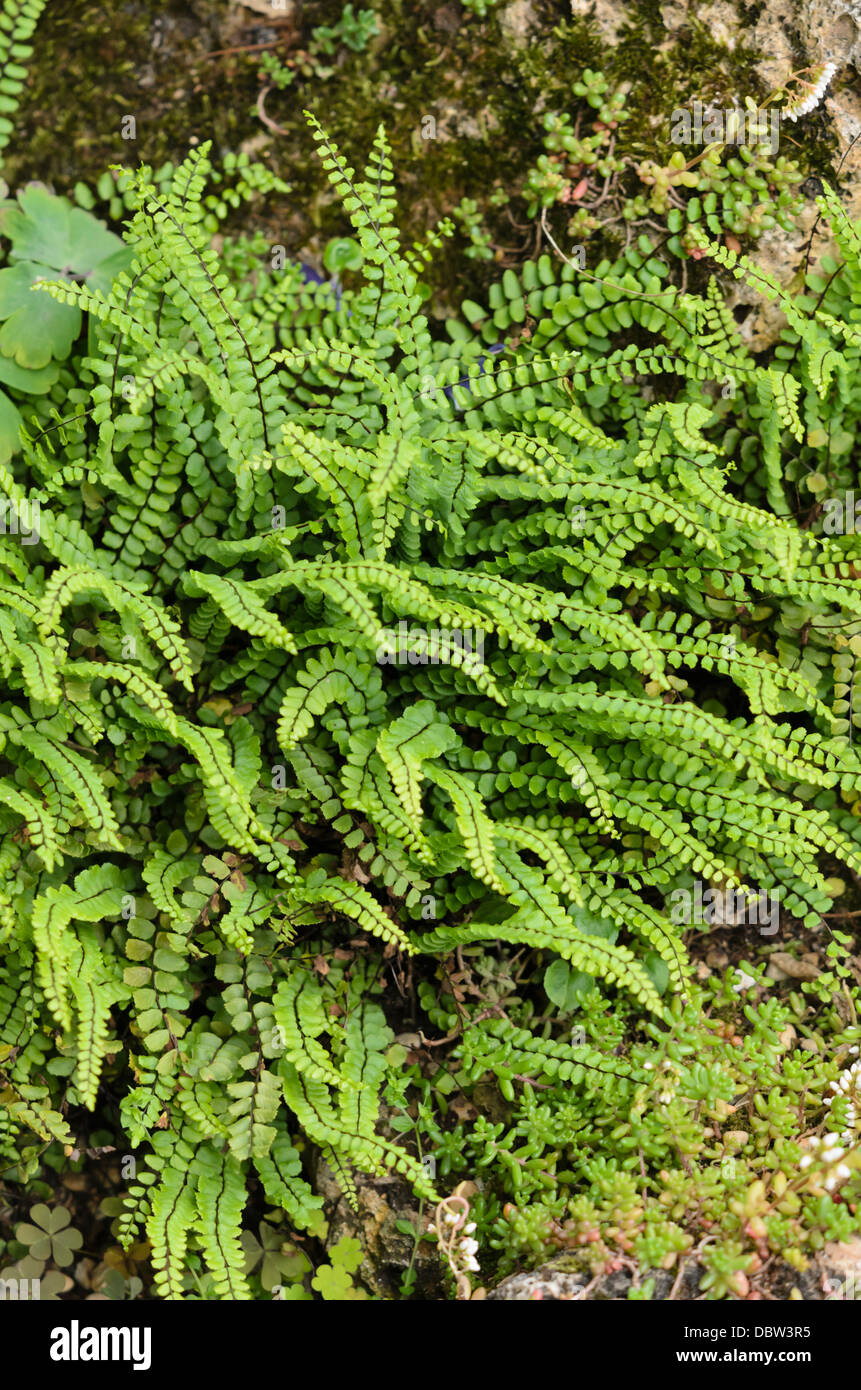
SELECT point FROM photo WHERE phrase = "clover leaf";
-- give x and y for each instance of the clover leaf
(114, 1287)
(49, 1236)
(336, 1285)
(282, 1262)
(335, 1281)
(51, 1285)
(348, 1253)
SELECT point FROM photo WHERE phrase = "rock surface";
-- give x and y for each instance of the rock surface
(786, 37)
(382, 1203)
(835, 1275)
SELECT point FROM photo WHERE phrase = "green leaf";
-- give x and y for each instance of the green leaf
(36, 327)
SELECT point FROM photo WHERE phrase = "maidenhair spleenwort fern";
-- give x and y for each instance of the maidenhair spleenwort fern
(18, 20)
(332, 625)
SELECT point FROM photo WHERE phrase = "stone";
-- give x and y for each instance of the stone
(788, 37)
(543, 1285)
(840, 1263)
(382, 1203)
(516, 21)
(608, 16)
(273, 9)
(834, 1274)
(800, 34)
(720, 18)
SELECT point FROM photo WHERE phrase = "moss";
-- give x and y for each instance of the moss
(184, 71)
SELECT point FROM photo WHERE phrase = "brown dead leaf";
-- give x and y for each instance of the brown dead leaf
(144, 774)
(845, 1008)
(464, 1109)
(795, 969)
(467, 1189)
(76, 1182)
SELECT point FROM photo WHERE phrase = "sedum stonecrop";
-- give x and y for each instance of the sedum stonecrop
(245, 485)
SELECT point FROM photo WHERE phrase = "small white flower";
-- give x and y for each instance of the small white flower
(469, 1228)
(469, 1246)
(471, 1263)
(805, 1161)
(843, 1170)
(802, 106)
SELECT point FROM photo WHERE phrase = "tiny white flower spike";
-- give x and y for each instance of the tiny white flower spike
(798, 106)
